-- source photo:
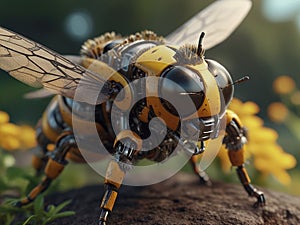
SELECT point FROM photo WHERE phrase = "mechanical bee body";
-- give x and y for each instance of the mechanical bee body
(57, 118)
(160, 72)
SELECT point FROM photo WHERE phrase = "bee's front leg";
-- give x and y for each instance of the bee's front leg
(113, 180)
(127, 144)
(245, 180)
(234, 140)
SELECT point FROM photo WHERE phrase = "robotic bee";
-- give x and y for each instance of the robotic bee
(189, 95)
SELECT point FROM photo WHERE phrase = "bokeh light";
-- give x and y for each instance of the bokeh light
(279, 10)
(79, 25)
(277, 112)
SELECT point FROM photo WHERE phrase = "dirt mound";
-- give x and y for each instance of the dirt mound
(180, 200)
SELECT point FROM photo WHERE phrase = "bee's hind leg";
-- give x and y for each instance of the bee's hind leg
(53, 168)
(203, 177)
(41, 154)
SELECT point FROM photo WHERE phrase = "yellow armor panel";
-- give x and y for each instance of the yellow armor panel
(155, 60)
(212, 102)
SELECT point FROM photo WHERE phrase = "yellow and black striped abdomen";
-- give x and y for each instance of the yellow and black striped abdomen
(59, 117)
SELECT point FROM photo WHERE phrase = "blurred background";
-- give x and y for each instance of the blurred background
(265, 46)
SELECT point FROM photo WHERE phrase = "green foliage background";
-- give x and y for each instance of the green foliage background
(259, 48)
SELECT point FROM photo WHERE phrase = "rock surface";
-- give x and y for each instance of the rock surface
(180, 200)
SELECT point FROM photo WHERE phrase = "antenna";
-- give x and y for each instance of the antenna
(200, 49)
(245, 78)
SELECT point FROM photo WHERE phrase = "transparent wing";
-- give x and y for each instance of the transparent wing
(218, 21)
(44, 93)
(37, 66)
(41, 93)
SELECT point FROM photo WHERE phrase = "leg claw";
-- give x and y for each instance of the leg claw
(261, 201)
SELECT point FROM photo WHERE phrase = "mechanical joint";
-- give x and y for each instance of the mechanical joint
(64, 143)
(127, 145)
(236, 136)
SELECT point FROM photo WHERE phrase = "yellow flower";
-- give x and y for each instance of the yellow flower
(278, 112)
(9, 143)
(268, 157)
(14, 137)
(295, 98)
(27, 138)
(4, 117)
(284, 85)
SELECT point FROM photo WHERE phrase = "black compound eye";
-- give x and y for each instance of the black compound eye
(183, 85)
(223, 79)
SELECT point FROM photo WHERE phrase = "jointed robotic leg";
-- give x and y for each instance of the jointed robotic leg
(234, 140)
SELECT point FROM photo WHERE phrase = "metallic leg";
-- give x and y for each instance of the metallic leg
(203, 177)
(126, 146)
(52, 170)
(39, 160)
(235, 140)
(113, 181)
(253, 192)
(54, 167)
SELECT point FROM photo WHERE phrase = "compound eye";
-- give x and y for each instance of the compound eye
(181, 85)
(223, 79)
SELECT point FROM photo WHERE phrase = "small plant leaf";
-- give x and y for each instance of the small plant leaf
(61, 206)
(59, 215)
(29, 219)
